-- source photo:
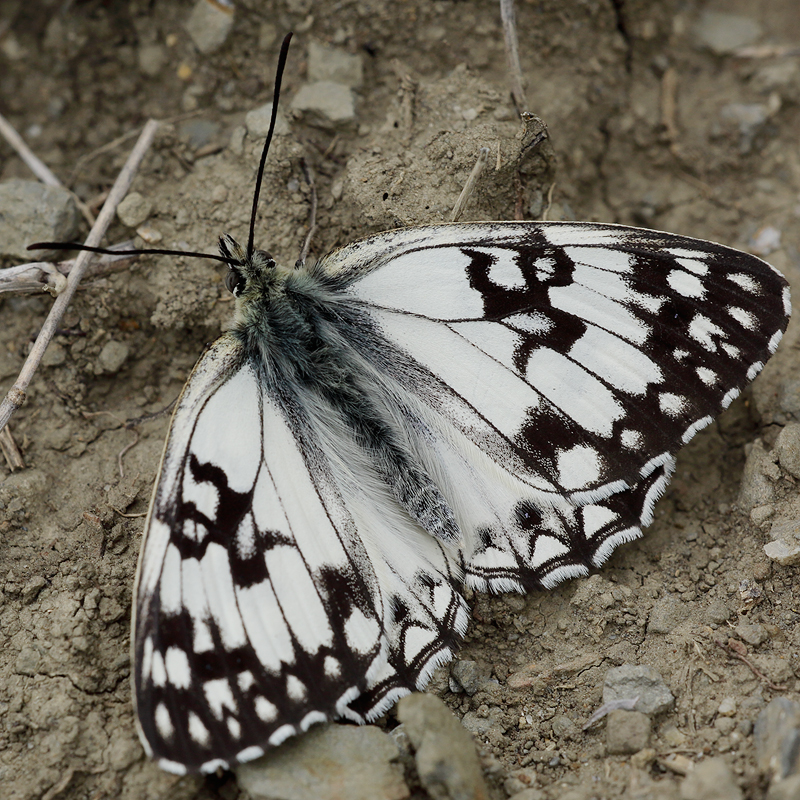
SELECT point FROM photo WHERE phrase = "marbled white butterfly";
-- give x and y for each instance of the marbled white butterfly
(494, 405)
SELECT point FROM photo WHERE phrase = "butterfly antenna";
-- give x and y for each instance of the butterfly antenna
(275, 97)
(153, 251)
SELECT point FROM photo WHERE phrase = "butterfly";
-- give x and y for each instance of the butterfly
(494, 405)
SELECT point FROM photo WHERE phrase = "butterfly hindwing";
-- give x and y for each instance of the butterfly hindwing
(260, 608)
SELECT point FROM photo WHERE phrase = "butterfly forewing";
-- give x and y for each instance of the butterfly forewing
(497, 404)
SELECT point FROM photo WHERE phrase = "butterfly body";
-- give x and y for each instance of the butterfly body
(489, 404)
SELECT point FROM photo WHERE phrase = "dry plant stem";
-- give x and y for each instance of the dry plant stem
(753, 668)
(512, 54)
(37, 167)
(10, 450)
(16, 396)
(469, 186)
(37, 276)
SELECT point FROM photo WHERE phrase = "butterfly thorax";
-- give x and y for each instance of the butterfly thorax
(289, 322)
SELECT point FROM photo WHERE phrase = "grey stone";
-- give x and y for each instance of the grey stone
(727, 708)
(754, 635)
(467, 675)
(113, 356)
(326, 104)
(563, 727)
(32, 212)
(667, 613)
(787, 446)
(199, 132)
(257, 122)
(760, 471)
(633, 680)
(711, 779)
(328, 762)
(55, 355)
(152, 58)
(627, 732)
(134, 210)
(723, 33)
(785, 545)
(776, 736)
(717, 612)
(333, 64)
(785, 552)
(209, 24)
(446, 759)
(479, 727)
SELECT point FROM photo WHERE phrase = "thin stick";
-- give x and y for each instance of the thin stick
(512, 54)
(37, 167)
(38, 276)
(10, 450)
(469, 186)
(114, 143)
(16, 396)
(753, 668)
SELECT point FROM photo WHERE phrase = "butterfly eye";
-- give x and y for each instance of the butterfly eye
(235, 282)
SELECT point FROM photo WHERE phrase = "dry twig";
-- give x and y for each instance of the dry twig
(39, 276)
(16, 396)
(512, 54)
(753, 668)
(10, 450)
(469, 186)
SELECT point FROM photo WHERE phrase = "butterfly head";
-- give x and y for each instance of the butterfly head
(243, 270)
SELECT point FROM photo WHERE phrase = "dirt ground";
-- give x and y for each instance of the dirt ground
(649, 125)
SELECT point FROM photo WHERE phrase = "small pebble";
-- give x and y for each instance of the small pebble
(467, 675)
(627, 732)
(210, 23)
(152, 58)
(326, 104)
(787, 447)
(711, 779)
(134, 210)
(257, 122)
(723, 33)
(446, 759)
(667, 613)
(755, 635)
(727, 708)
(149, 234)
(113, 356)
(333, 64)
(785, 545)
(633, 680)
(717, 612)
